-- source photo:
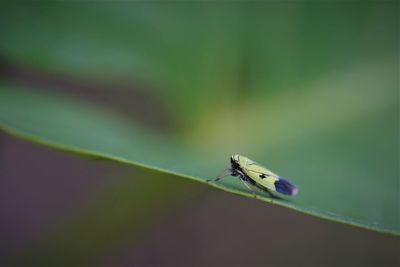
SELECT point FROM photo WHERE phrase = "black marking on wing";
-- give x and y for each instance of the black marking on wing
(261, 173)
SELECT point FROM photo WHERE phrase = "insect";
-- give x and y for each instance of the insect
(251, 173)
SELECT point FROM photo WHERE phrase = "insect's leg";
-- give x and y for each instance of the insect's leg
(248, 186)
(223, 174)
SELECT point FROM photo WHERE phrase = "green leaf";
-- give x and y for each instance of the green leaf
(343, 172)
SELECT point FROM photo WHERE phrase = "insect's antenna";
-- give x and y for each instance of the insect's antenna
(223, 174)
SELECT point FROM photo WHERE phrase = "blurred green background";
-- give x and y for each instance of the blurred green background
(309, 89)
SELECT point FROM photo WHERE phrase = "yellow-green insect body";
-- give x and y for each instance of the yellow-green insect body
(253, 174)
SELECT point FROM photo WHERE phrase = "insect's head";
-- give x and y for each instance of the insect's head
(235, 161)
(235, 158)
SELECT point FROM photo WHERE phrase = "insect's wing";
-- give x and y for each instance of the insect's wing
(269, 180)
(261, 176)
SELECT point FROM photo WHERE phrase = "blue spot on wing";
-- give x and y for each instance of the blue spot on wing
(285, 187)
